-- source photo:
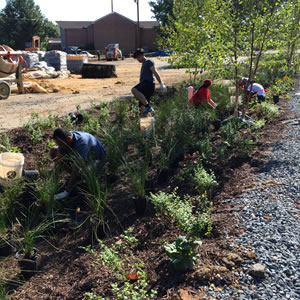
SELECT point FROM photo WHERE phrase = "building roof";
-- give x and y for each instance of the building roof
(85, 24)
(73, 24)
(149, 24)
(110, 14)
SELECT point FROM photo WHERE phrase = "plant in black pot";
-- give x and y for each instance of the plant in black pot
(26, 239)
(182, 253)
(276, 91)
(137, 181)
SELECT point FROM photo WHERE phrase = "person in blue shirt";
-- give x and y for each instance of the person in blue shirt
(145, 89)
(78, 145)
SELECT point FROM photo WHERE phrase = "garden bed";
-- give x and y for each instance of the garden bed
(67, 271)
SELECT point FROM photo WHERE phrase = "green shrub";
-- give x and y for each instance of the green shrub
(182, 253)
(268, 110)
(204, 182)
(181, 211)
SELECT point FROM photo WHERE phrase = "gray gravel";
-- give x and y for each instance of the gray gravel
(272, 221)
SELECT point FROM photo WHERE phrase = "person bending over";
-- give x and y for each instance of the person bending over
(255, 89)
(202, 95)
(76, 145)
(145, 89)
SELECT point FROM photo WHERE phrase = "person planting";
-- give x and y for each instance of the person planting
(145, 89)
(202, 95)
(256, 89)
(77, 145)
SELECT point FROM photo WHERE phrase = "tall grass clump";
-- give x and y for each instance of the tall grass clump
(46, 190)
(121, 109)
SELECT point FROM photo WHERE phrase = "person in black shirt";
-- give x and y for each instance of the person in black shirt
(145, 89)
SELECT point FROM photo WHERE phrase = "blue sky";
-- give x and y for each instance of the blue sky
(90, 10)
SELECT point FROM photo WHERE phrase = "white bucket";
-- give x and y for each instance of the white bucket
(11, 165)
(147, 125)
(232, 100)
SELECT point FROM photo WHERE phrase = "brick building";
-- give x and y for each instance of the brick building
(112, 28)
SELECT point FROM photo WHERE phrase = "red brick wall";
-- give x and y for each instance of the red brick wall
(115, 29)
(76, 37)
(148, 39)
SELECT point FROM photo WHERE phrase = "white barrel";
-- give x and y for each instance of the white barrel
(11, 165)
(147, 125)
(232, 100)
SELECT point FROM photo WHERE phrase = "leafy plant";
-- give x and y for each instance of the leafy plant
(121, 260)
(182, 254)
(181, 211)
(5, 145)
(204, 182)
(268, 110)
(134, 291)
(35, 132)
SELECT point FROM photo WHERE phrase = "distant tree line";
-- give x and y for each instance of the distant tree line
(22, 19)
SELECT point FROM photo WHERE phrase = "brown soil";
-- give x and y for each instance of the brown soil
(74, 90)
(67, 271)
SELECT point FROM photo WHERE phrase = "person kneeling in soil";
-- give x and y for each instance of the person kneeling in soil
(202, 95)
(254, 88)
(145, 89)
(77, 145)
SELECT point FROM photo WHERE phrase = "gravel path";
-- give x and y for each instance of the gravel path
(271, 216)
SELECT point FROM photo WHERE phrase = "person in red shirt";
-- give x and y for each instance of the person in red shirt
(202, 95)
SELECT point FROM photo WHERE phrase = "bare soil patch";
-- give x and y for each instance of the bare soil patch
(75, 90)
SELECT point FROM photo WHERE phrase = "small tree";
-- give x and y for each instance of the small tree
(194, 36)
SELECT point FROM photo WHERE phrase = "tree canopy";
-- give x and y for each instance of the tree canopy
(22, 19)
(162, 9)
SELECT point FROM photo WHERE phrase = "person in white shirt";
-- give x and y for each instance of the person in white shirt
(255, 89)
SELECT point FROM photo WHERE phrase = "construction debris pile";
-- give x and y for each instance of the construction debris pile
(45, 65)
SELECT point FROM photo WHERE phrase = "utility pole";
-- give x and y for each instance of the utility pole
(112, 6)
(138, 24)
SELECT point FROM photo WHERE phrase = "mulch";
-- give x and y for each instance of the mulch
(67, 271)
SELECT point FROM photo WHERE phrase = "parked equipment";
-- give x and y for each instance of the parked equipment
(112, 52)
(10, 62)
(36, 44)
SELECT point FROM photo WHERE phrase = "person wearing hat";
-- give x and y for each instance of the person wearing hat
(254, 88)
(76, 145)
(202, 95)
(145, 89)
